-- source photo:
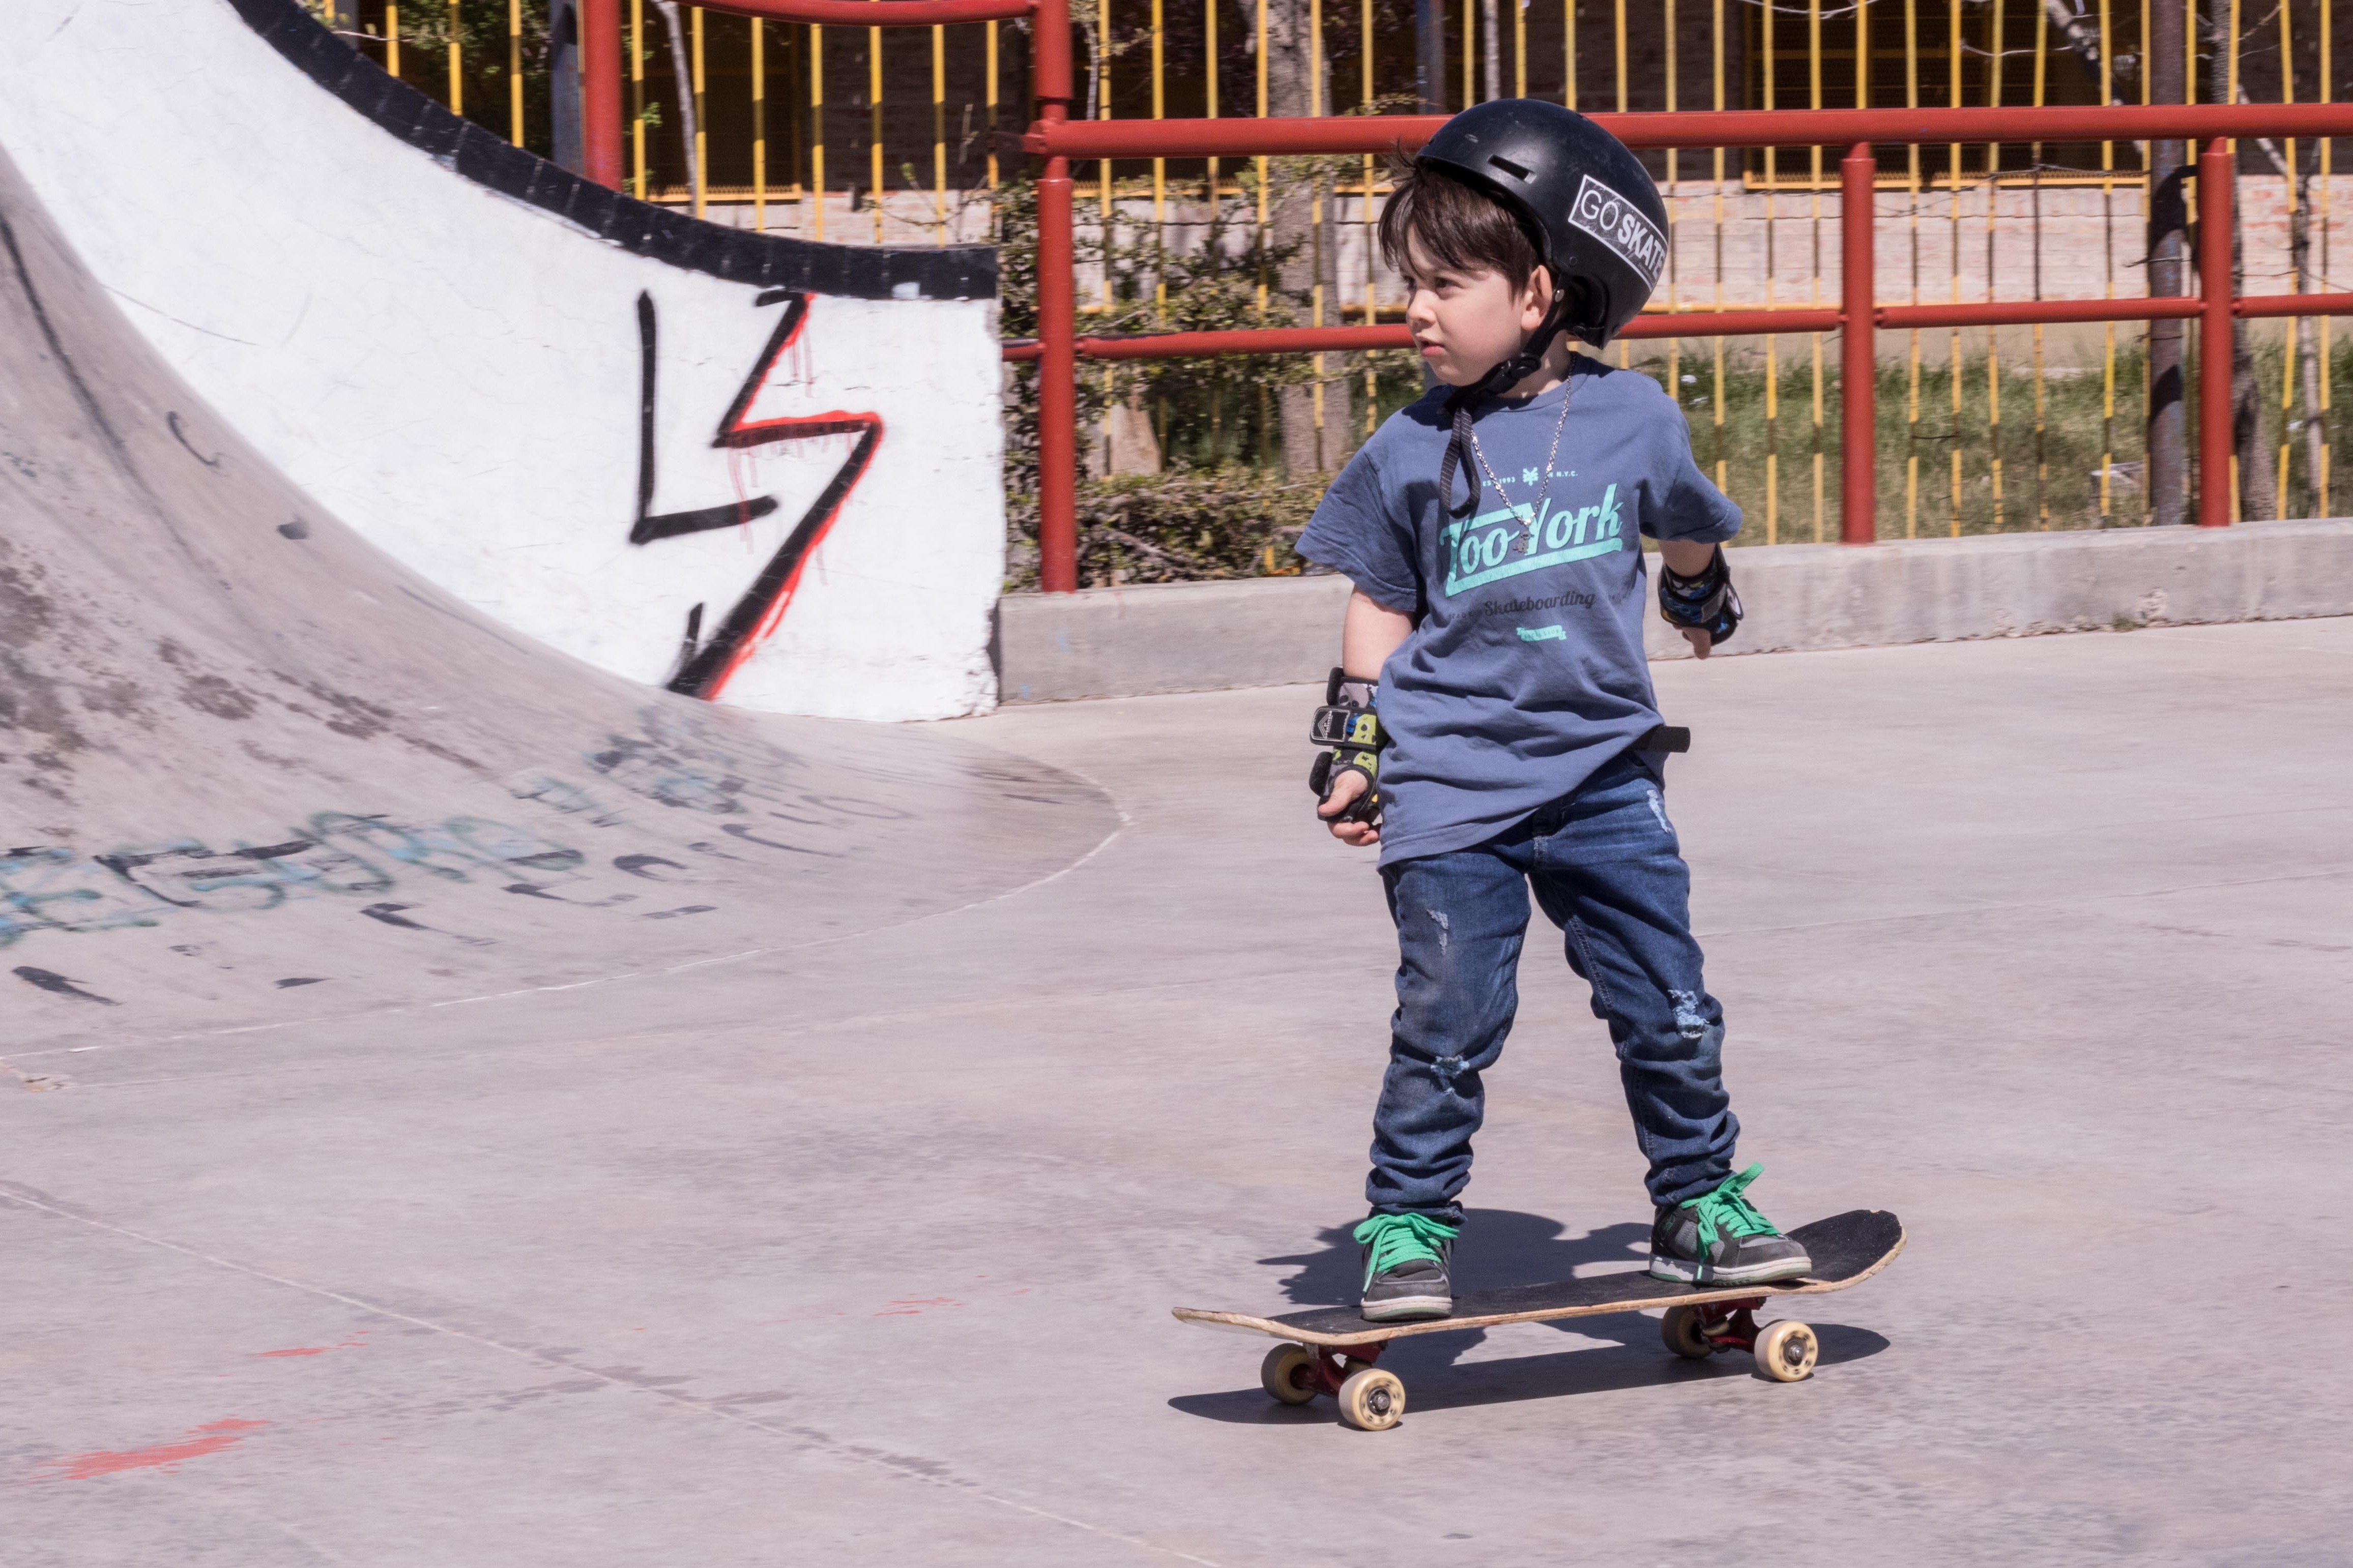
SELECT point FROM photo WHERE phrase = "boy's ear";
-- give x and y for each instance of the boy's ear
(1536, 298)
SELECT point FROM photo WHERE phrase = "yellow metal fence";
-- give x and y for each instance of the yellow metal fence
(869, 135)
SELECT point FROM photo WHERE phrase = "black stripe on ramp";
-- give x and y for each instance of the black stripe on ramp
(768, 260)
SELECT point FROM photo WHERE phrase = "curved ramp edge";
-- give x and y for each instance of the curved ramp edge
(251, 770)
(764, 470)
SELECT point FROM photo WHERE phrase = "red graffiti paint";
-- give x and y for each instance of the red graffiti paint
(210, 1439)
(707, 663)
(738, 432)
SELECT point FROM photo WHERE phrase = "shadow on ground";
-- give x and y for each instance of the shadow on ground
(1498, 1247)
(1505, 1247)
(1435, 1382)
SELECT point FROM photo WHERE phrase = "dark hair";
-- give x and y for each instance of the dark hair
(1457, 224)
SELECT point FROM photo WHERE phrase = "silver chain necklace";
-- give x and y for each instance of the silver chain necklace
(1543, 486)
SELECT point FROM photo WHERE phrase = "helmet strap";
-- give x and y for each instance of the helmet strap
(1514, 369)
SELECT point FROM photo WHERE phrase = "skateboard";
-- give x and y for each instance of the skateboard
(1330, 1350)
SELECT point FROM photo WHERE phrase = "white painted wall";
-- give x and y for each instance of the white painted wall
(457, 374)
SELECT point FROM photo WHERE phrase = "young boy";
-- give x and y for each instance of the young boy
(1492, 727)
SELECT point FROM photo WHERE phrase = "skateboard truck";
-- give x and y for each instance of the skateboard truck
(1736, 1329)
(1370, 1399)
(1332, 1368)
(1785, 1352)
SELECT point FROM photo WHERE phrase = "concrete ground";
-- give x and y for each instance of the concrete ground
(863, 1253)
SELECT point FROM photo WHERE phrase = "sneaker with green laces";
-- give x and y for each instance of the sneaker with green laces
(1719, 1238)
(1408, 1263)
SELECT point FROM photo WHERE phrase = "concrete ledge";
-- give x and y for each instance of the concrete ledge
(1167, 636)
(1274, 631)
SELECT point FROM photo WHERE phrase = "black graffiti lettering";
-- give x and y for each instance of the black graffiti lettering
(180, 434)
(552, 860)
(502, 844)
(420, 848)
(276, 851)
(873, 810)
(677, 524)
(50, 888)
(395, 915)
(529, 892)
(704, 667)
(57, 888)
(560, 794)
(738, 830)
(666, 780)
(189, 875)
(126, 864)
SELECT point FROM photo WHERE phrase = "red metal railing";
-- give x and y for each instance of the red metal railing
(1057, 139)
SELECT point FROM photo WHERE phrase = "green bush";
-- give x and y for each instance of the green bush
(1189, 525)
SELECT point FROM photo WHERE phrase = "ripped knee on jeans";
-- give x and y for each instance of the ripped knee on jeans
(1700, 1039)
(1689, 1022)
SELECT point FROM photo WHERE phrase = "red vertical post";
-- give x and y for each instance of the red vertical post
(1058, 369)
(1858, 353)
(2214, 324)
(600, 91)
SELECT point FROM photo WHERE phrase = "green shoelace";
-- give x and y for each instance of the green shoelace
(1728, 1212)
(1394, 1238)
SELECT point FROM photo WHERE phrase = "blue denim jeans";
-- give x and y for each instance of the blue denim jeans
(1607, 870)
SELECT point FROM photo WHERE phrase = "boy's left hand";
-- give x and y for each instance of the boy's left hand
(1359, 834)
(1689, 560)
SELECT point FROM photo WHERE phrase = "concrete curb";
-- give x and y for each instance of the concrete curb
(1275, 631)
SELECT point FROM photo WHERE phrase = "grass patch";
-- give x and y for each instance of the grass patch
(2029, 457)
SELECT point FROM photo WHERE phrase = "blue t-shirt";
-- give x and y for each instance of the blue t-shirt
(1524, 672)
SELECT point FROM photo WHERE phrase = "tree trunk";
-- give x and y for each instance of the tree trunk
(1130, 445)
(1316, 422)
(563, 86)
(687, 127)
(2307, 346)
(2165, 478)
(1429, 55)
(1494, 54)
(2255, 498)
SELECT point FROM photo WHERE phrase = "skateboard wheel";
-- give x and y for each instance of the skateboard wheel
(1371, 1400)
(1786, 1352)
(1679, 1330)
(1288, 1374)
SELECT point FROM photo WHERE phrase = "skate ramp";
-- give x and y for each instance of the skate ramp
(253, 771)
(765, 470)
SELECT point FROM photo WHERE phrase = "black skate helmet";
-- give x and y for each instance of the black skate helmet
(1598, 224)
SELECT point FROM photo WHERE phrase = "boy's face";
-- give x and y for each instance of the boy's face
(1464, 323)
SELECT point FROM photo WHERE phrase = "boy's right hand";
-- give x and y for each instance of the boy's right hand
(1360, 834)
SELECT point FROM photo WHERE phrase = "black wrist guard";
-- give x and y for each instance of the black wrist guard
(1705, 602)
(1352, 731)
